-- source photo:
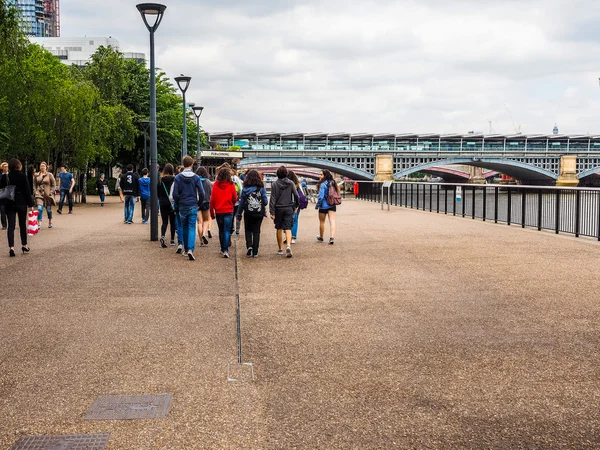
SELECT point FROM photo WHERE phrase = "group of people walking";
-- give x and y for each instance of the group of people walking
(16, 197)
(188, 203)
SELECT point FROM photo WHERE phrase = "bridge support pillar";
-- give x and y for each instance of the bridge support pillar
(568, 171)
(384, 168)
(476, 175)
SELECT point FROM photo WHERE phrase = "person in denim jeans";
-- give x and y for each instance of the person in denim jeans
(222, 201)
(130, 188)
(66, 184)
(188, 193)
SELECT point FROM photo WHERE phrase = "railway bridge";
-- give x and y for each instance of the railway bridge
(564, 160)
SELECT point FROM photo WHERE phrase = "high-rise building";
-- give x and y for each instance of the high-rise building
(40, 18)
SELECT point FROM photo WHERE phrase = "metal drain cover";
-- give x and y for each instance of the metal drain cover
(63, 442)
(130, 407)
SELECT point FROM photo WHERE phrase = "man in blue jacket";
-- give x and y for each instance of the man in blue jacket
(188, 193)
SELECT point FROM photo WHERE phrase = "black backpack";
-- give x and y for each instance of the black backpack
(254, 204)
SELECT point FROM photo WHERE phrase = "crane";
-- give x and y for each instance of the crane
(517, 129)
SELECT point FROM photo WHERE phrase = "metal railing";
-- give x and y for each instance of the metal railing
(560, 209)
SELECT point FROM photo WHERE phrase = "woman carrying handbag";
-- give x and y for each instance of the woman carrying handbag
(16, 196)
(44, 185)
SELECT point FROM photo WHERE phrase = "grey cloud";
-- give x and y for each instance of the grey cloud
(374, 65)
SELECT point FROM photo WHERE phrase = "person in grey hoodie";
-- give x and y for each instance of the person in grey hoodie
(188, 193)
(282, 206)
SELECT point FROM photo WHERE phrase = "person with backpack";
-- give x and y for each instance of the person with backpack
(188, 193)
(302, 204)
(222, 201)
(167, 209)
(329, 198)
(253, 202)
(282, 206)
(204, 213)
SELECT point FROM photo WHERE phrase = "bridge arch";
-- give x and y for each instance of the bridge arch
(515, 169)
(342, 169)
(587, 173)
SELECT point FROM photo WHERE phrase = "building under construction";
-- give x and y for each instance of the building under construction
(40, 18)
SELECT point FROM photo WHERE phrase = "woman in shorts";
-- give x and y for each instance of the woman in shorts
(325, 209)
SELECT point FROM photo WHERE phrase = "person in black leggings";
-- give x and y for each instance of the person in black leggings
(18, 207)
(253, 202)
(167, 213)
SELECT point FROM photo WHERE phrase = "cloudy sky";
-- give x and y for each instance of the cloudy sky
(371, 65)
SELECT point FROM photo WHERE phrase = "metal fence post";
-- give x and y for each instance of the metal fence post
(496, 205)
(577, 212)
(509, 206)
(523, 207)
(438, 198)
(411, 196)
(464, 201)
(484, 204)
(430, 196)
(473, 206)
(557, 216)
(540, 199)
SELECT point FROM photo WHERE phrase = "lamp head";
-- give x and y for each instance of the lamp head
(152, 14)
(198, 111)
(191, 105)
(183, 82)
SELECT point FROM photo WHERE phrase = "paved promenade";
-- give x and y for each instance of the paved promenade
(415, 330)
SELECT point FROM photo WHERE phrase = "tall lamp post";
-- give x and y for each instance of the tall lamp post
(152, 14)
(198, 112)
(184, 83)
(145, 124)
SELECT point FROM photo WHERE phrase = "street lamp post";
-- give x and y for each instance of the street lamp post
(184, 83)
(145, 124)
(198, 112)
(153, 11)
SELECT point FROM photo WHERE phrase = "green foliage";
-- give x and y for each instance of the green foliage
(83, 116)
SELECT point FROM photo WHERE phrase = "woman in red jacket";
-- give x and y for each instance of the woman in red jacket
(222, 201)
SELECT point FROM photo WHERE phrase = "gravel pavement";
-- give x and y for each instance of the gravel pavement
(415, 330)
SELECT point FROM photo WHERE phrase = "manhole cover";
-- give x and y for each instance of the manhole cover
(63, 442)
(129, 407)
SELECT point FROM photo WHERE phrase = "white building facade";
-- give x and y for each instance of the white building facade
(79, 50)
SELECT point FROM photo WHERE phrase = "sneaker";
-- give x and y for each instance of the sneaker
(185, 253)
(204, 240)
(237, 233)
(285, 240)
(50, 225)
(179, 249)
(330, 241)
(280, 252)
(172, 244)
(225, 255)
(209, 234)
(59, 211)
(191, 256)
(249, 252)
(293, 240)
(144, 221)
(288, 252)
(70, 212)
(256, 256)
(101, 204)
(163, 243)
(319, 239)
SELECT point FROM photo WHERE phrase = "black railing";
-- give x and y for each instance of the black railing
(562, 210)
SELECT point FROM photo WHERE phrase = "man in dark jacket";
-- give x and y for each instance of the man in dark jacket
(282, 206)
(130, 189)
(188, 193)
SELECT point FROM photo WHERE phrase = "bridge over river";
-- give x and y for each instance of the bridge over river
(415, 330)
(532, 159)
